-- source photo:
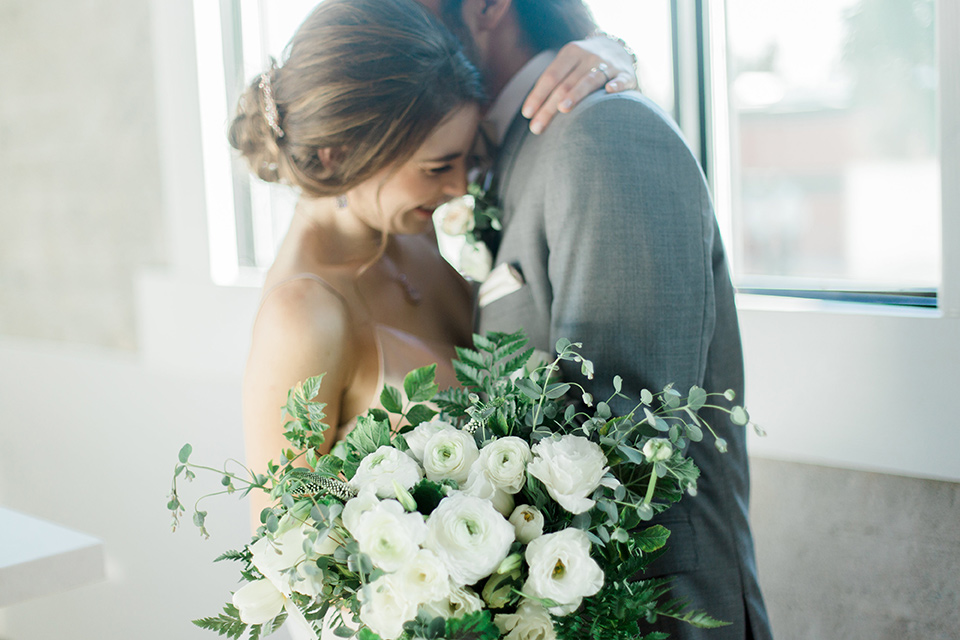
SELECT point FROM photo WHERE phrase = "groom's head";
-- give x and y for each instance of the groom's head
(501, 35)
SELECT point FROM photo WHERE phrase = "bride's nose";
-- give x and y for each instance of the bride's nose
(455, 183)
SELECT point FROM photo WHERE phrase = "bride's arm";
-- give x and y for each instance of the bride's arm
(301, 331)
(574, 74)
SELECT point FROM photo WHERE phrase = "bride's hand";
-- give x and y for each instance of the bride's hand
(574, 74)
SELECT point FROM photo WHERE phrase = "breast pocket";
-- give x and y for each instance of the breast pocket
(510, 313)
(681, 549)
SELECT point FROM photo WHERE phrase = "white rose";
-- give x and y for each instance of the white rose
(561, 569)
(258, 602)
(390, 535)
(657, 449)
(456, 216)
(425, 577)
(459, 603)
(417, 439)
(571, 468)
(504, 463)
(476, 261)
(385, 606)
(527, 523)
(449, 454)
(469, 536)
(356, 507)
(530, 622)
(379, 469)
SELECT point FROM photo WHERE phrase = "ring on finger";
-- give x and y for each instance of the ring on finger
(602, 68)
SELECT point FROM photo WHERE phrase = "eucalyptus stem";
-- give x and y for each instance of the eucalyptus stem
(647, 499)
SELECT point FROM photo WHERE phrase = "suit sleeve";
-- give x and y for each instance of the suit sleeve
(629, 227)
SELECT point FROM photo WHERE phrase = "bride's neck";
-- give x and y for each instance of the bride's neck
(343, 237)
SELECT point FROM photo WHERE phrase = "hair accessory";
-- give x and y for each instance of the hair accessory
(270, 105)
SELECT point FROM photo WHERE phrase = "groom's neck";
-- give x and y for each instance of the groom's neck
(507, 53)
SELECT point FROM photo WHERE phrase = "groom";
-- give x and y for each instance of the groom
(610, 240)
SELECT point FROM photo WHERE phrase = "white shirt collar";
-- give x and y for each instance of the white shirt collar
(505, 108)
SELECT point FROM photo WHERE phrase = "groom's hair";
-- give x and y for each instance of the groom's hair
(546, 24)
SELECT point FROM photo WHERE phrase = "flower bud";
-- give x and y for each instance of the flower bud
(510, 563)
(404, 497)
(657, 449)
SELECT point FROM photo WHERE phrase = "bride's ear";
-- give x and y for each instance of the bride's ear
(484, 15)
(330, 158)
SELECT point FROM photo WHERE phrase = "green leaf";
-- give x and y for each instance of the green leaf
(420, 413)
(529, 388)
(556, 390)
(467, 376)
(652, 538)
(368, 436)
(328, 466)
(694, 432)
(420, 385)
(696, 398)
(562, 345)
(739, 416)
(473, 626)
(473, 358)
(185, 452)
(617, 383)
(391, 400)
(227, 623)
(366, 634)
(646, 397)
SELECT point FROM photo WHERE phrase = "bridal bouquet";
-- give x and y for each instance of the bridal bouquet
(514, 506)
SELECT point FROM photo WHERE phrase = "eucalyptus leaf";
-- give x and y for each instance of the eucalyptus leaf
(739, 416)
(185, 452)
(646, 397)
(696, 398)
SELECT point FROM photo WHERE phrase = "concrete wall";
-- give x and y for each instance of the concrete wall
(94, 404)
(79, 168)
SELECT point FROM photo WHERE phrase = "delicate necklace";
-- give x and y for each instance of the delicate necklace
(410, 292)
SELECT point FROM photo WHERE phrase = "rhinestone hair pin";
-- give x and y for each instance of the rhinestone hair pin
(270, 105)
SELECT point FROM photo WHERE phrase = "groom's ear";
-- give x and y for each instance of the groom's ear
(484, 16)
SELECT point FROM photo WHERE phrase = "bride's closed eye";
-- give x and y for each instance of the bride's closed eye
(436, 171)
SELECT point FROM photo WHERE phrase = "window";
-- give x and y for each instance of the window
(815, 122)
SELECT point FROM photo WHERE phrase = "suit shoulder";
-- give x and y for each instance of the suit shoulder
(605, 115)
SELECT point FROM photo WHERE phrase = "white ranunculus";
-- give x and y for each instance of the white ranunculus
(385, 606)
(571, 468)
(476, 261)
(390, 535)
(456, 216)
(561, 569)
(469, 536)
(527, 523)
(479, 486)
(356, 507)
(449, 454)
(530, 622)
(425, 577)
(657, 449)
(460, 602)
(504, 463)
(417, 439)
(379, 469)
(258, 602)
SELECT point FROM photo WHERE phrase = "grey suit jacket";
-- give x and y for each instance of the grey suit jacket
(609, 220)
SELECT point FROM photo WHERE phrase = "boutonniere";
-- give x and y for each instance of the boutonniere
(468, 229)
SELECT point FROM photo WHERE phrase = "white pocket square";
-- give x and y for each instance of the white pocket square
(502, 281)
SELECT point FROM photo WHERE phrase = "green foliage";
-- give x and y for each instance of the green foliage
(473, 626)
(227, 623)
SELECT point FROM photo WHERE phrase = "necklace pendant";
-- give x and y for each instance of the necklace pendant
(410, 292)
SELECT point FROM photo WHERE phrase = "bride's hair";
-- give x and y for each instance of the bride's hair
(361, 86)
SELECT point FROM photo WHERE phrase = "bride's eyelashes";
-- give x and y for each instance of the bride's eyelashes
(437, 171)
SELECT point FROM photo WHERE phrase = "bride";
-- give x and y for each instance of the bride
(371, 117)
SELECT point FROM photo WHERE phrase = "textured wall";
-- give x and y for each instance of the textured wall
(854, 555)
(79, 183)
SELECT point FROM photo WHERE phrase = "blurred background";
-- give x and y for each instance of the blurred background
(132, 243)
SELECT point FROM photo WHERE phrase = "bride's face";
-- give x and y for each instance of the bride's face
(402, 199)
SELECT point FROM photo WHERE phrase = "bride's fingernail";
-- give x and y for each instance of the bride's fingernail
(536, 128)
(526, 112)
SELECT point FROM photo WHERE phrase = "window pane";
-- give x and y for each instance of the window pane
(833, 109)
